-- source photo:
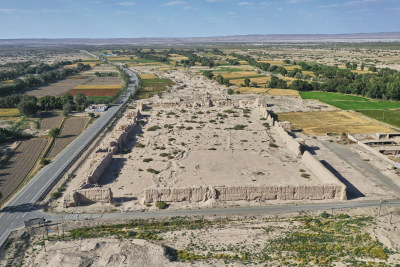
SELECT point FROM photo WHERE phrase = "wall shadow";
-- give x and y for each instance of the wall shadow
(352, 191)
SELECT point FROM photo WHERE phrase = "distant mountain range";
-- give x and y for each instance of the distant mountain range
(268, 38)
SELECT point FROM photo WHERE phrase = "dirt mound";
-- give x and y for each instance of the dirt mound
(100, 252)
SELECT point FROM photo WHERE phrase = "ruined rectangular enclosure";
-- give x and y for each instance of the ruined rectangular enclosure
(205, 150)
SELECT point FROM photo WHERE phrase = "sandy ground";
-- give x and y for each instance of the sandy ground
(198, 147)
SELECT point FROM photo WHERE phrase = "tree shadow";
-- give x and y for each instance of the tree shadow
(22, 208)
(352, 191)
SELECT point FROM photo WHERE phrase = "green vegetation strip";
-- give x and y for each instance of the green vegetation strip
(391, 117)
(349, 102)
(317, 240)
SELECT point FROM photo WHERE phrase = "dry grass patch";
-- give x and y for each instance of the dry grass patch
(272, 62)
(361, 71)
(237, 74)
(252, 90)
(86, 63)
(258, 80)
(148, 76)
(9, 112)
(99, 86)
(283, 92)
(323, 122)
(292, 67)
(309, 73)
(121, 58)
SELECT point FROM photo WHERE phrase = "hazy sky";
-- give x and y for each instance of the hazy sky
(160, 18)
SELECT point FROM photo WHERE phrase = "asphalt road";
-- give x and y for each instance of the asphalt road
(362, 166)
(21, 207)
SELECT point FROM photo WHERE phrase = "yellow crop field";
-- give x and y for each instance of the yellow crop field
(148, 76)
(361, 71)
(283, 92)
(272, 62)
(309, 73)
(252, 90)
(258, 80)
(99, 86)
(323, 122)
(121, 58)
(86, 63)
(176, 57)
(242, 62)
(9, 112)
(143, 64)
(237, 74)
(291, 67)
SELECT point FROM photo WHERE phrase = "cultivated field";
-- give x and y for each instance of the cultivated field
(283, 92)
(151, 86)
(349, 102)
(323, 122)
(84, 80)
(17, 169)
(50, 120)
(391, 117)
(9, 112)
(71, 129)
(252, 90)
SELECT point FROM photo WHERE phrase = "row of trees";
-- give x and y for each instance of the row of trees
(28, 67)
(30, 105)
(39, 79)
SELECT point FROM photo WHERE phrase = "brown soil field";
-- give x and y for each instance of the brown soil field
(50, 120)
(70, 130)
(92, 92)
(63, 86)
(56, 89)
(323, 122)
(17, 169)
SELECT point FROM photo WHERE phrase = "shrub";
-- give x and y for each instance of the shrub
(272, 145)
(324, 215)
(139, 145)
(150, 170)
(305, 175)
(44, 161)
(161, 205)
(230, 91)
(239, 127)
(147, 160)
(164, 154)
(54, 132)
(153, 128)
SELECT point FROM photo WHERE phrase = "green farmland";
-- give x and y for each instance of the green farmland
(349, 102)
